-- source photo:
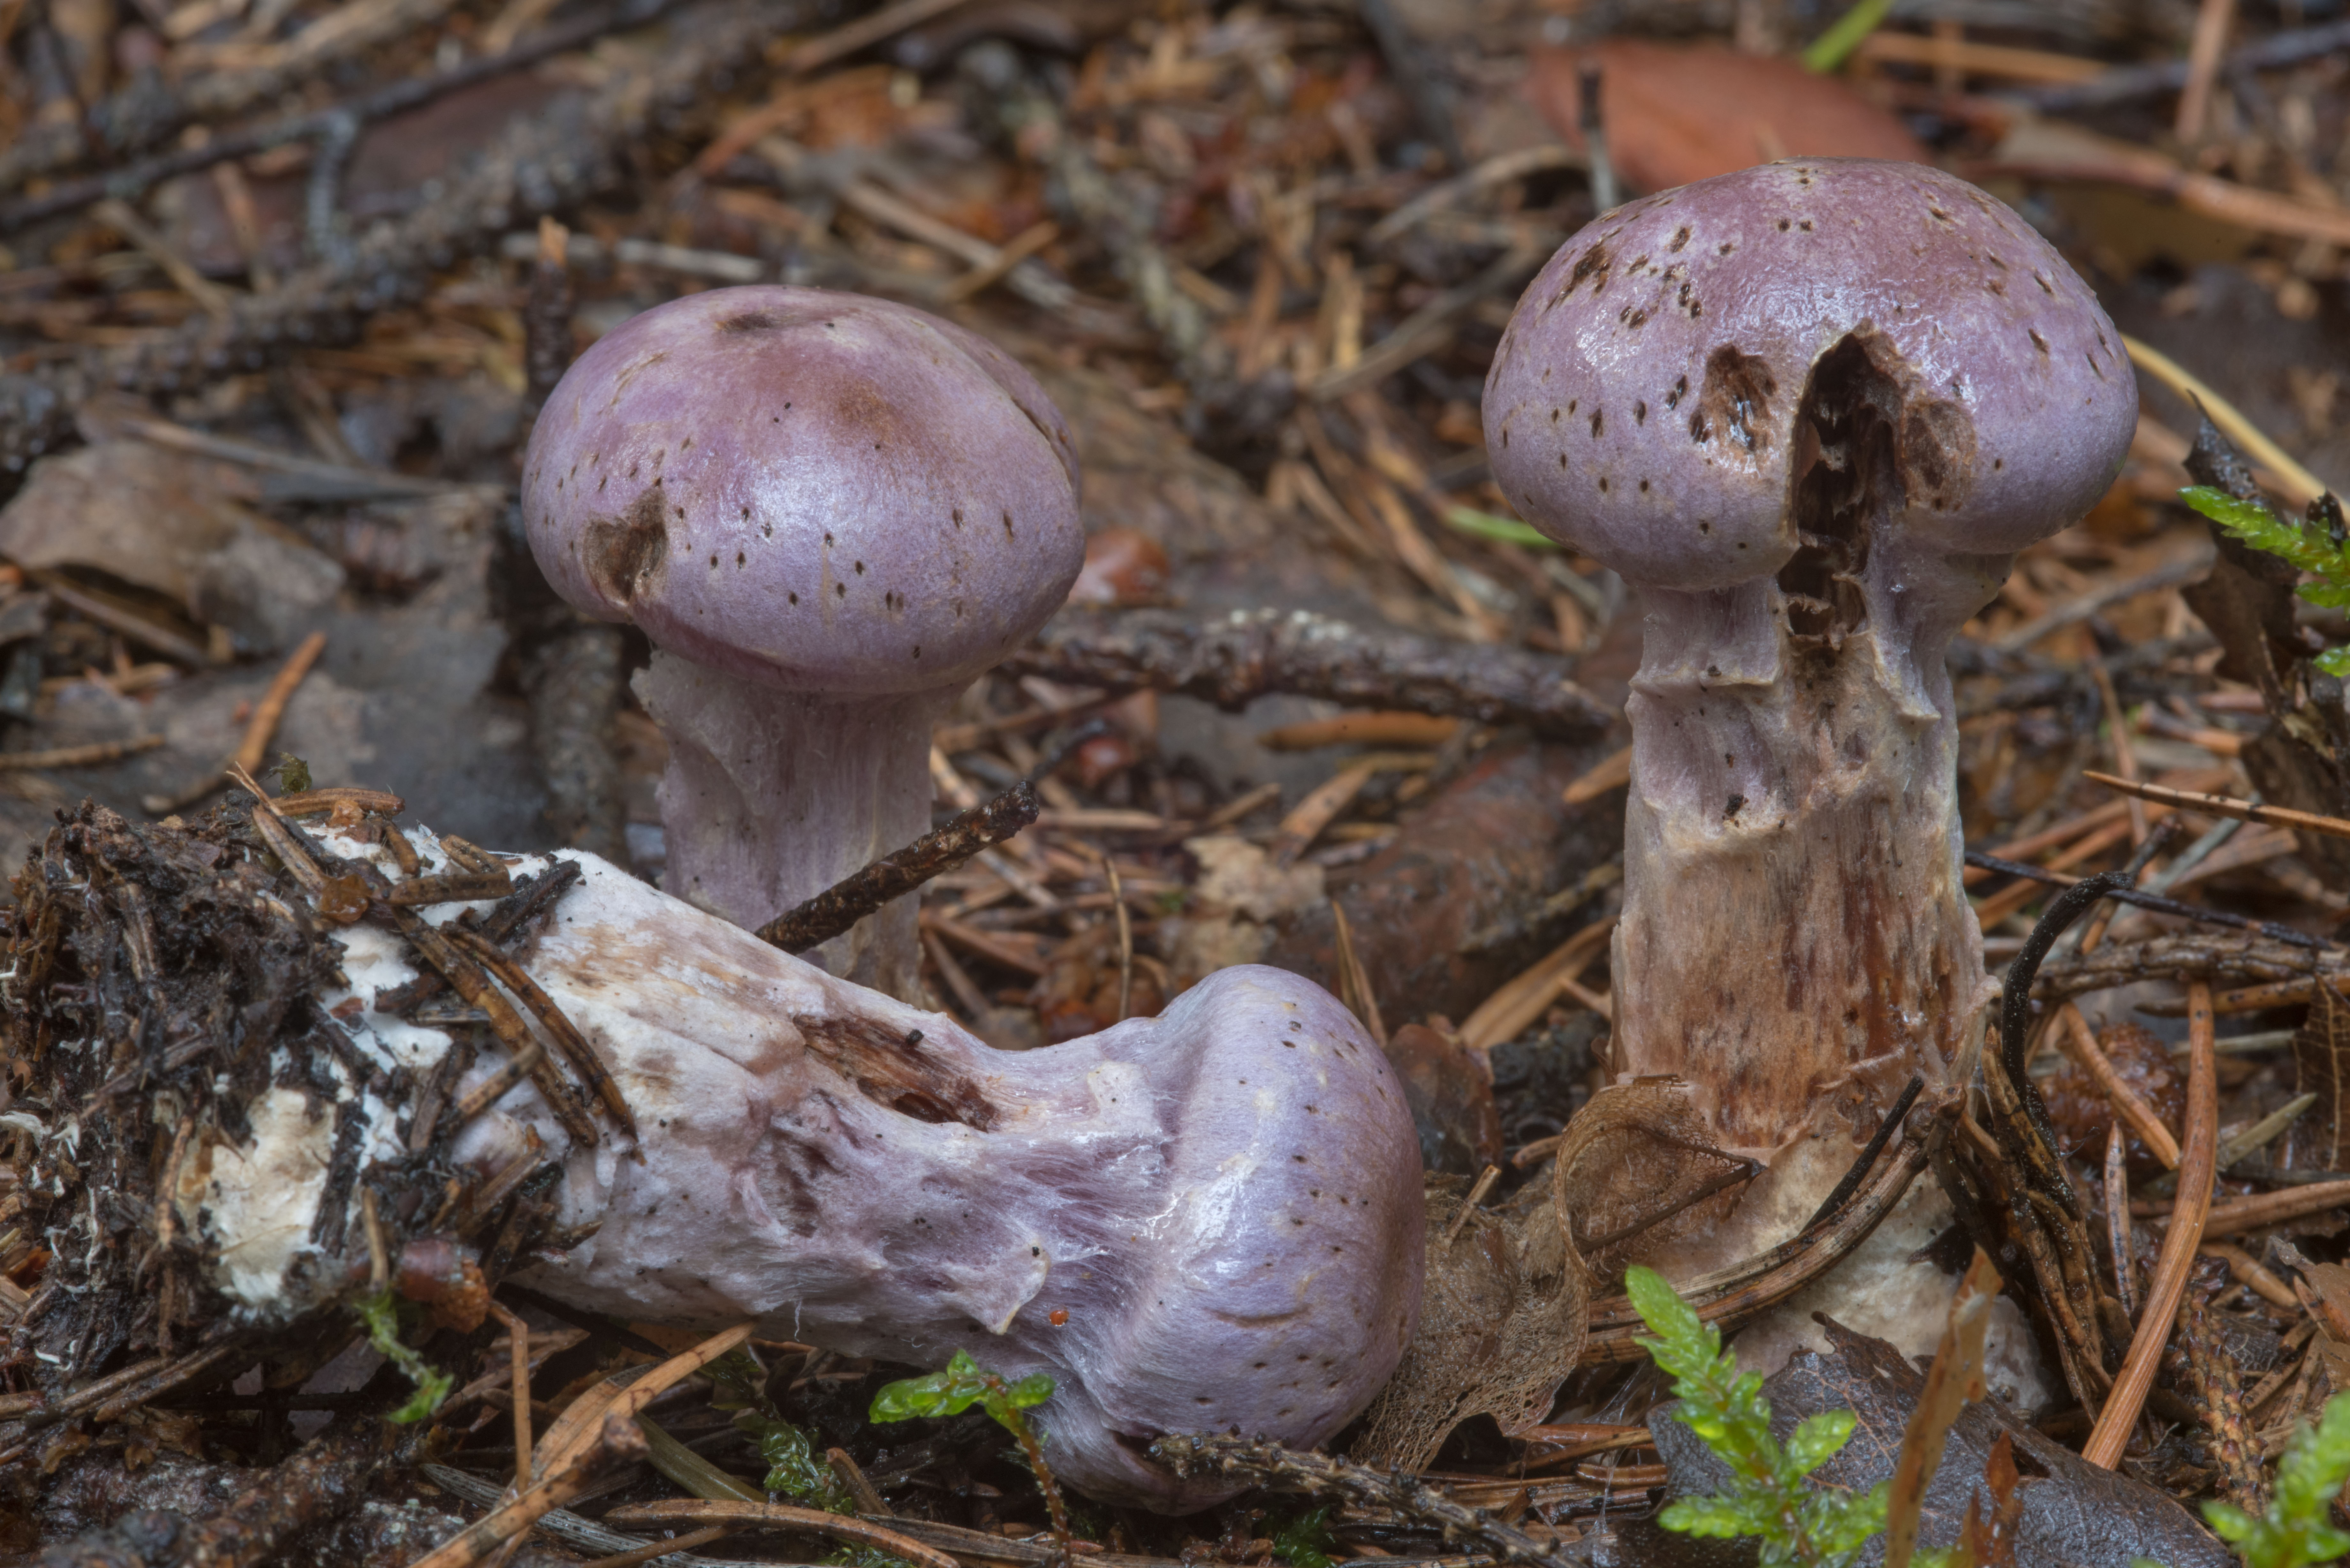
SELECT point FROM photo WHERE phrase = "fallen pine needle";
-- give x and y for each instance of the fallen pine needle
(1613, 772)
(253, 750)
(2300, 486)
(775, 1515)
(2225, 805)
(2075, 1039)
(87, 756)
(2196, 1164)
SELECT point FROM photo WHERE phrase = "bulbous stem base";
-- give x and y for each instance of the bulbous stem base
(773, 796)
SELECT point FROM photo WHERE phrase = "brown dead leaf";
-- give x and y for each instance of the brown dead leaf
(1449, 1089)
(1628, 1165)
(173, 523)
(1501, 1326)
(1674, 113)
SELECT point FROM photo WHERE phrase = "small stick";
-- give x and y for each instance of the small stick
(2298, 485)
(253, 750)
(518, 1337)
(860, 1486)
(974, 1001)
(2247, 998)
(469, 856)
(210, 297)
(403, 853)
(524, 904)
(280, 838)
(2124, 893)
(551, 1016)
(2225, 805)
(116, 618)
(1610, 772)
(1485, 1180)
(1853, 1178)
(89, 756)
(1306, 819)
(845, 903)
(615, 1443)
(2249, 1273)
(2208, 42)
(546, 316)
(780, 1516)
(2117, 1218)
(320, 802)
(984, 943)
(2242, 1214)
(1124, 939)
(2078, 1043)
(2168, 1286)
(475, 987)
(659, 1548)
(486, 1093)
(2124, 757)
(379, 1257)
(450, 887)
(1354, 980)
(1015, 250)
(1742, 1169)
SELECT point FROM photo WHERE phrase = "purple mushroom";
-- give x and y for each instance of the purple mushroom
(829, 514)
(1205, 1220)
(1809, 411)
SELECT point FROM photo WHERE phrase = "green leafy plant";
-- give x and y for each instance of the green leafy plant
(2321, 553)
(965, 1383)
(1307, 1540)
(1770, 1493)
(2295, 1530)
(381, 1313)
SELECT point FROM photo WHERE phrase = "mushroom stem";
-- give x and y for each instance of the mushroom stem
(1794, 941)
(772, 796)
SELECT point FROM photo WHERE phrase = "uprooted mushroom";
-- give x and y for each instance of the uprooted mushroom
(1206, 1219)
(1809, 411)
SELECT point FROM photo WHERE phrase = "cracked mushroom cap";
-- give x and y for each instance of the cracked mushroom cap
(814, 489)
(1647, 404)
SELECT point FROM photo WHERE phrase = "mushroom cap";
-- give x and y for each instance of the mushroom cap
(1643, 405)
(812, 490)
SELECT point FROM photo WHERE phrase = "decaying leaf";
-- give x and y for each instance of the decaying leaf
(1631, 1168)
(1501, 1326)
(2320, 1056)
(1505, 1304)
(1674, 113)
(1450, 1091)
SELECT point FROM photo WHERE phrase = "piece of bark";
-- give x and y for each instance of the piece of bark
(1485, 853)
